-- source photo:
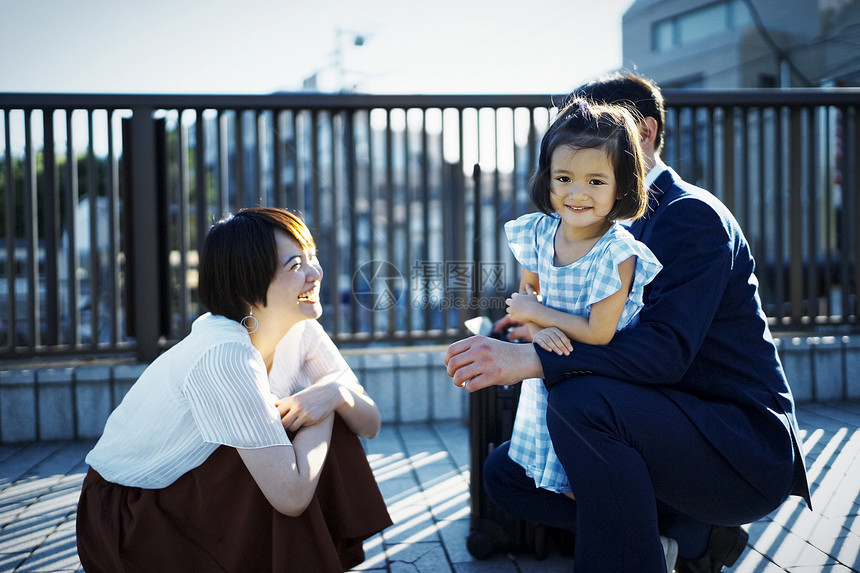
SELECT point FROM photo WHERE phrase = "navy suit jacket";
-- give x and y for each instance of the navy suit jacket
(702, 337)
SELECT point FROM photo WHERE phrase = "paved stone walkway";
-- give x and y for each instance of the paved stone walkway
(423, 471)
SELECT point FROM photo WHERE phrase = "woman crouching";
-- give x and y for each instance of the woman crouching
(237, 449)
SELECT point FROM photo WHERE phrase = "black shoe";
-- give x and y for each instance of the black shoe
(724, 547)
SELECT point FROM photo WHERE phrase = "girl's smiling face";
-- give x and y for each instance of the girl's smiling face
(583, 189)
(293, 294)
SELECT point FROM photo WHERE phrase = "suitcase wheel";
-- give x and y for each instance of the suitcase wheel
(479, 544)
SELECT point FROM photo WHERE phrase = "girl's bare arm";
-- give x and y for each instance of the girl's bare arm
(598, 328)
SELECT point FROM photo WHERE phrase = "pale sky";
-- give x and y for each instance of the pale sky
(263, 46)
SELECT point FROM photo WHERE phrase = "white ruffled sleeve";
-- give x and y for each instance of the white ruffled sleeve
(229, 398)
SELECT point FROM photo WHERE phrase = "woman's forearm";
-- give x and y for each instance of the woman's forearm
(288, 475)
(359, 411)
(311, 446)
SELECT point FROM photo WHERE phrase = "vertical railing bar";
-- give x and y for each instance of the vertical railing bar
(183, 230)
(371, 206)
(51, 229)
(263, 197)
(847, 225)
(711, 179)
(409, 195)
(200, 179)
(728, 157)
(144, 212)
(811, 212)
(687, 160)
(11, 267)
(497, 192)
(771, 262)
(476, 232)
(315, 172)
(333, 255)
(299, 174)
(764, 239)
(278, 160)
(425, 218)
(349, 144)
(31, 229)
(223, 161)
(676, 139)
(268, 155)
(533, 143)
(73, 260)
(476, 235)
(241, 197)
(779, 237)
(461, 256)
(694, 146)
(441, 216)
(170, 178)
(389, 211)
(827, 202)
(746, 215)
(514, 195)
(795, 213)
(852, 148)
(112, 182)
(92, 196)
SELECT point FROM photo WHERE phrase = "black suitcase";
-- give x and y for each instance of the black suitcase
(491, 530)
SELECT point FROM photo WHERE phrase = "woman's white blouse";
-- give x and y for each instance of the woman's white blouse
(210, 389)
(307, 354)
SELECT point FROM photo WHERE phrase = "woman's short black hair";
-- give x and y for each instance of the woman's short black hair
(239, 258)
(585, 125)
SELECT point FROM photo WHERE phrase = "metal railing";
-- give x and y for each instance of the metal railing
(406, 196)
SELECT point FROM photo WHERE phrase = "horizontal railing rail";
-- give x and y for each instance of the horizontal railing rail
(105, 199)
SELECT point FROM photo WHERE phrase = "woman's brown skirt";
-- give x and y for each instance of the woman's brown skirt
(215, 518)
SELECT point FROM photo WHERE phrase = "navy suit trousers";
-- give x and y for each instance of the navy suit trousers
(638, 468)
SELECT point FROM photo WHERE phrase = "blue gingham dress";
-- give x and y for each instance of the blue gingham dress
(572, 288)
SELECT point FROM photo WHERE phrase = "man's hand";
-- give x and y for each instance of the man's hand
(478, 362)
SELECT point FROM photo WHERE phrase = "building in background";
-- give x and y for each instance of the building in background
(744, 43)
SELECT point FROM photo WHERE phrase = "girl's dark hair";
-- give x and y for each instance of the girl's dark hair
(584, 125)
(634, 91)
(239, 258)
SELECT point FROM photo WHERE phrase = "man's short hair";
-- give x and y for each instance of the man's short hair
(629, 89)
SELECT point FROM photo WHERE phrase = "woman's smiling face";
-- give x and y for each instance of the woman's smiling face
(293, 294)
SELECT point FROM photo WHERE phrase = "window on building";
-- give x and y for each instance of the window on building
(695, 25)
(663, 36)
(701, 23)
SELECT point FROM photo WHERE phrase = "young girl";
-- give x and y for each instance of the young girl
(589, 270)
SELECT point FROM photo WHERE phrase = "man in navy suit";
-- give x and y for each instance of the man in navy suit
(684, 424)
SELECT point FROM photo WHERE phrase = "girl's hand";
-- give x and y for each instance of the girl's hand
(553, 340)
(521, 307)
(309, 406)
